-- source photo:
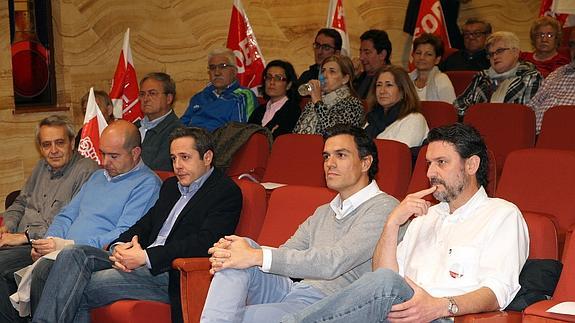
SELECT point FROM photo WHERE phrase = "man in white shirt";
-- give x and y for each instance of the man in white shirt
(330, 250)
(458, 257)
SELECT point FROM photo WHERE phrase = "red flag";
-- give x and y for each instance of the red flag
(242, 40)
(564, 11)
(430, 20)
(94, 124)
(336, 20)
(124, 92)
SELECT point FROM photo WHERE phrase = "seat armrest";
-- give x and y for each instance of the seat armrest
(490, 317)
(195, 281)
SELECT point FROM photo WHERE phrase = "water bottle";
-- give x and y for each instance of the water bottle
(321, 80)
(304, 89)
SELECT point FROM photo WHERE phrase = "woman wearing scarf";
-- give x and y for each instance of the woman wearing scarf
(395, 109)
(333, 100)
(507, 80)
(430, 83)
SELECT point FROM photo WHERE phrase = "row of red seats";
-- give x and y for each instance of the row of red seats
(507, 127)
(538, 181)
(297, 160)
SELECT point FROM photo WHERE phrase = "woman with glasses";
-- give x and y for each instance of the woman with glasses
(395, 108)
(430, 83)
(282, 110)
(508, 80)
(333, 99)
(545, 38)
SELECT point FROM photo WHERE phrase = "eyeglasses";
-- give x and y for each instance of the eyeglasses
(544, 35)
(324, 47)
(276, 77)
(221, 66)
(497, 52)
(151, 93)
(473, 34)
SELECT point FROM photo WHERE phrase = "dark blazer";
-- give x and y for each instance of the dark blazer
(285, 118)
(156, 145)
(211, 213)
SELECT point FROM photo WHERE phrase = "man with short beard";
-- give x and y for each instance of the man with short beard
(458, 257)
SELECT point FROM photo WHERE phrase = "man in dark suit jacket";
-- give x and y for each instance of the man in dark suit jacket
(195, 208)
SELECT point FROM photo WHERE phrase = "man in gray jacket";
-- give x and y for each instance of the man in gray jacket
(157, 95)
(57, 177)
(330, 250)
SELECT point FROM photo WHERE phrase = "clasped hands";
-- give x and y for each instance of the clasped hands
(233, 252)
(128, 256)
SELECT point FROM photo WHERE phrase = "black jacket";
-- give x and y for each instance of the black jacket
(210, 214)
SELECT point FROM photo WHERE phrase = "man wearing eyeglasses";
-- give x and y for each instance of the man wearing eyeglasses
(326, 44)
(473, 56)
(223, 100)
(157, 94)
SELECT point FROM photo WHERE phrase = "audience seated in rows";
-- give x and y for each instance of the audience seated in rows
(330, 250)
(461, 256)
(194, 209)
(474, 56)
(104, 104)
(545, 37)
(282, 111)
(54, 181)
(157, 96)
(333, 101)
(557, 89)
(223, 100)
(90, 219)
(431, 84)
(395, 108)
(374, 53)
(507, 80)
(327, 43)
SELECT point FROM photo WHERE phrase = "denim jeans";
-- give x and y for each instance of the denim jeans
(11, 259)
(82, 278)
(368, 299)
(251, 295)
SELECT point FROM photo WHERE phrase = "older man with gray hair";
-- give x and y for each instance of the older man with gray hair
(57, 177)
(223, 100)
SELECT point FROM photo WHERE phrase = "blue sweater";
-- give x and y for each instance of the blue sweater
(103, 209)
(209, 111)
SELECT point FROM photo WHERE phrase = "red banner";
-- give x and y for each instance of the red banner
(125, 90)
(94, 124)
(430, 20)
(242, 40)
(336, 20)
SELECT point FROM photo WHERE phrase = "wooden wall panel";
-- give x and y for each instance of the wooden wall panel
(175, 36)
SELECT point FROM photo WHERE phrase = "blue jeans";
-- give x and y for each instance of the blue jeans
(368, 299)
(82, 278)
(253, 296)
(11, 259)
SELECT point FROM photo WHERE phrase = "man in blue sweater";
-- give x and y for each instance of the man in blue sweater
(223, 100)
(110, 202)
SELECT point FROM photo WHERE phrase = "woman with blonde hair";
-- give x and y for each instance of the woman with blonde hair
(395, 109)
(333, 99)
(508, 80)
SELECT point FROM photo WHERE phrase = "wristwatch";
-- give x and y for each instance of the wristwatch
(452, 308)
